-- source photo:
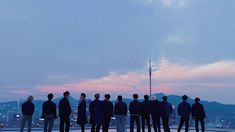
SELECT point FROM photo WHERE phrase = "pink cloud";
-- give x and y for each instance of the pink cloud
(170, 78)
(114, 82)
(169, 71)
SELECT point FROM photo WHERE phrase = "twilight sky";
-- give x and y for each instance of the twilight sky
(104, 46)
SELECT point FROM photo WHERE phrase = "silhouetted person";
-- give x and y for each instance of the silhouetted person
(120, 111)
(184, 110)
(145, 114)
(108, 112)
(27, 111)
(64, 112)
(156, 114)
(166, 111)
(96, 114)
(49, 113)
(81, 117)
(198, 114)
(135, 112)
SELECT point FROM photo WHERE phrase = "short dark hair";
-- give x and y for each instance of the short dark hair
(83, 95)
(197, 99)
(107, 96)
(97, 96)
(50, 96)
(119, 97)
(164, 98)
(135, 96)
(184, 97)
(66, 93)
(146, 97)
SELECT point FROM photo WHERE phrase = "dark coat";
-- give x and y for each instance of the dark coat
(146, 107)
(120, 108)
(166, 109)
(81, 117)
(198, 111)
(156, 108)
(64, 108)
(96, 109)
(28, 108)
(184, 109)
(135, 108)
(108, 109)
(49, 108)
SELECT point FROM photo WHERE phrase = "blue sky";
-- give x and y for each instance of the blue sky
(49, 46)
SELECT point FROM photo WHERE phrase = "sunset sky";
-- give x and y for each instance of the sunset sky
(104, 46)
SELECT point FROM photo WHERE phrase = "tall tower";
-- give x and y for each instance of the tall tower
(150, 78)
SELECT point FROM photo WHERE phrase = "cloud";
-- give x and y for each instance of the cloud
(177, 38)
(207, 81)
(170, 78)
(170, 71)
(176, 4)
(114, 82)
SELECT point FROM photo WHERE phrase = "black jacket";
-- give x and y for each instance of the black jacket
(49, 108)
(96, 109)
(108, 109)
(166, 109)
(120, 108)
(135, 108)
(81, 117)
(146, 108)
(28, 108)
(198, 111)
(184, 109)
(64, 108)
(156, 108)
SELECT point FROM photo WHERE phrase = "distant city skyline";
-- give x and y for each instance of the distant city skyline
(104, 46)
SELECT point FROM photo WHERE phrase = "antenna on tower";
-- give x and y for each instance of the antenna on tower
(150, 77)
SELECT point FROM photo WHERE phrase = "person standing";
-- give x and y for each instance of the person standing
(120, 112)
(65, 112)
(27, 111)
(108, 112)
(156, 114)
(198, 114)
(135, 112)
(166, 111)
(81, 116)
(96, 109)
(49, 113)
(184, 110)
(145, 114)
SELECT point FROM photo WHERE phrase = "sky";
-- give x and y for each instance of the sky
(103, 46)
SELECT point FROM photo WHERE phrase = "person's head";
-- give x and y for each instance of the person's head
(66, 94)
(83, 96)
(107, 96)
(146, 97)
(30, 98)
(50, 96)
(153, 98)
(135, 96)
(164, 98)
(97, 96)
(119, 98)
(184, 97)
(197, 99)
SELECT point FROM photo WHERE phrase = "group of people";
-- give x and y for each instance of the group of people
(101, 112)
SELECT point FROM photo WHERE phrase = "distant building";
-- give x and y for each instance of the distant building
(12, 117)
